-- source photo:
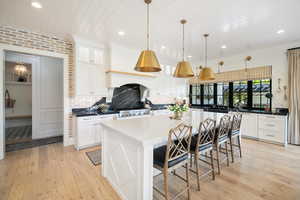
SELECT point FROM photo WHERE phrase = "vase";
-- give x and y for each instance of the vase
(177, 115)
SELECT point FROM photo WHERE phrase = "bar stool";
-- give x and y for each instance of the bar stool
(200, 145)
(175, 154)
(222, 137)
(235, 133)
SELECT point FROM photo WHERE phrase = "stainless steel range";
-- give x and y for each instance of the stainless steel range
(133, 113)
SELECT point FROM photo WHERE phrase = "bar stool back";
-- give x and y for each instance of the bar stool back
(203, 143)
(175, 154)
(222, 137)
(235, 133)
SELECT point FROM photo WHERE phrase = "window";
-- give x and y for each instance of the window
(249, 94)
(261, 90)
(208, 94)
(195, 97)
(223, 94)
(240, 93)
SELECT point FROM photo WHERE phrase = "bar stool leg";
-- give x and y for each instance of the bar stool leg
(227, 156)
(166, 186)
(212, 164)
(188, 180)
(197, 170)
(239, 142)
(191, 160)
(231, 149)
(218, 159)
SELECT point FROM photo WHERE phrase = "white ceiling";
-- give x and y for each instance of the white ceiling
(239, 24)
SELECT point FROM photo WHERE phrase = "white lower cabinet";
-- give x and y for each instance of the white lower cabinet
(270, 128)
(249, 125)
(273, 128)
(88, 130)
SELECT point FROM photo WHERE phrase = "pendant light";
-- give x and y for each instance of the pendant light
(220, 64)
(247, 59)
(183, 68)
(147, 61)
(206, 72)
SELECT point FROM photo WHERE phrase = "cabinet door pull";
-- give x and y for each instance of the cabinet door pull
(271, 117)
(270, 125)
(269, 135)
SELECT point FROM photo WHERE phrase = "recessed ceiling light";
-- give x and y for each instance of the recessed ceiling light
(163, 47)
(190, 56)
(121, 33)
(224, 46)
(36, 4)
(280, 31)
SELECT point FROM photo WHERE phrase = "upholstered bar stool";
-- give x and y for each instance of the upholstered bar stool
(175, 154)
(201, 144)
(235, 133)
(222, 137)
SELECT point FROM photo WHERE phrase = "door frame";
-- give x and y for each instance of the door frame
(66, 101)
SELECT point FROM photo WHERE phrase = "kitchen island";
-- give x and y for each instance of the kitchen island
(127, 150)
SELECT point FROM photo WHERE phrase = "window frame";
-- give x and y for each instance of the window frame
(249, 92)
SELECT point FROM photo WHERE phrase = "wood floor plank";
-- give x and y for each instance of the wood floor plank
(52, 172)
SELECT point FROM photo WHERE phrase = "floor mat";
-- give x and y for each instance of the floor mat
(18, 134)
(95, 156)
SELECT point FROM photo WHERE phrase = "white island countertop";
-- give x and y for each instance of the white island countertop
(155, 129)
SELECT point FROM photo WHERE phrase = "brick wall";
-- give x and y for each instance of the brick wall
(24, 38)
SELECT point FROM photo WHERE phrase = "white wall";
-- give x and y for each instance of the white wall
(23, 96)
(275, 56)
(163, 88)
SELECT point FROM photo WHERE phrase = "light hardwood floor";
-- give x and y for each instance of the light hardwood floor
(52, 172)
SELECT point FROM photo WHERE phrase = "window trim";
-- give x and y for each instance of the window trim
(230, 100)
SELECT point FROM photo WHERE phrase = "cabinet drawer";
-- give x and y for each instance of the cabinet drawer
(272, 135)
(273, 123)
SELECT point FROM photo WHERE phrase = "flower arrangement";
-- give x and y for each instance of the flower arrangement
(178, 108)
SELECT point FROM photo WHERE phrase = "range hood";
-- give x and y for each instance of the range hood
(116, 79)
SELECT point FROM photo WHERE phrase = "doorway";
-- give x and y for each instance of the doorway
(33, 100)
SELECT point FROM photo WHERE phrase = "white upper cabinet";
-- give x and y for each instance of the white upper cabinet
(89, 69)
(83, 54)
(90, 55)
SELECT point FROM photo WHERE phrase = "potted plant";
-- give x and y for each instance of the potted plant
(178, 108)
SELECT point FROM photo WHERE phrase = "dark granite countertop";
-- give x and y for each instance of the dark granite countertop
(262, 112)
(84, 112)
(159, 106)
(238, 110)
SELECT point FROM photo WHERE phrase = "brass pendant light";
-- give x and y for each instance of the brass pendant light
(147, 61)
(183, 68)
(206, 72)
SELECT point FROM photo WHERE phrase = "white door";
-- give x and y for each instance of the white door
(48, 98)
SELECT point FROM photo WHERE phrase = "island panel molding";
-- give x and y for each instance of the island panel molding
(127, 150)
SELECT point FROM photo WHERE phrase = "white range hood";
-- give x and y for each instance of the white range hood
(118, 78)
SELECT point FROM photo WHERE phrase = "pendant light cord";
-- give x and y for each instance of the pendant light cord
(205, 51)
(148, 26)
(182, 42)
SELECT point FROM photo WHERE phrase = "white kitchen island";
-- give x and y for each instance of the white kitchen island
(127, 150)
